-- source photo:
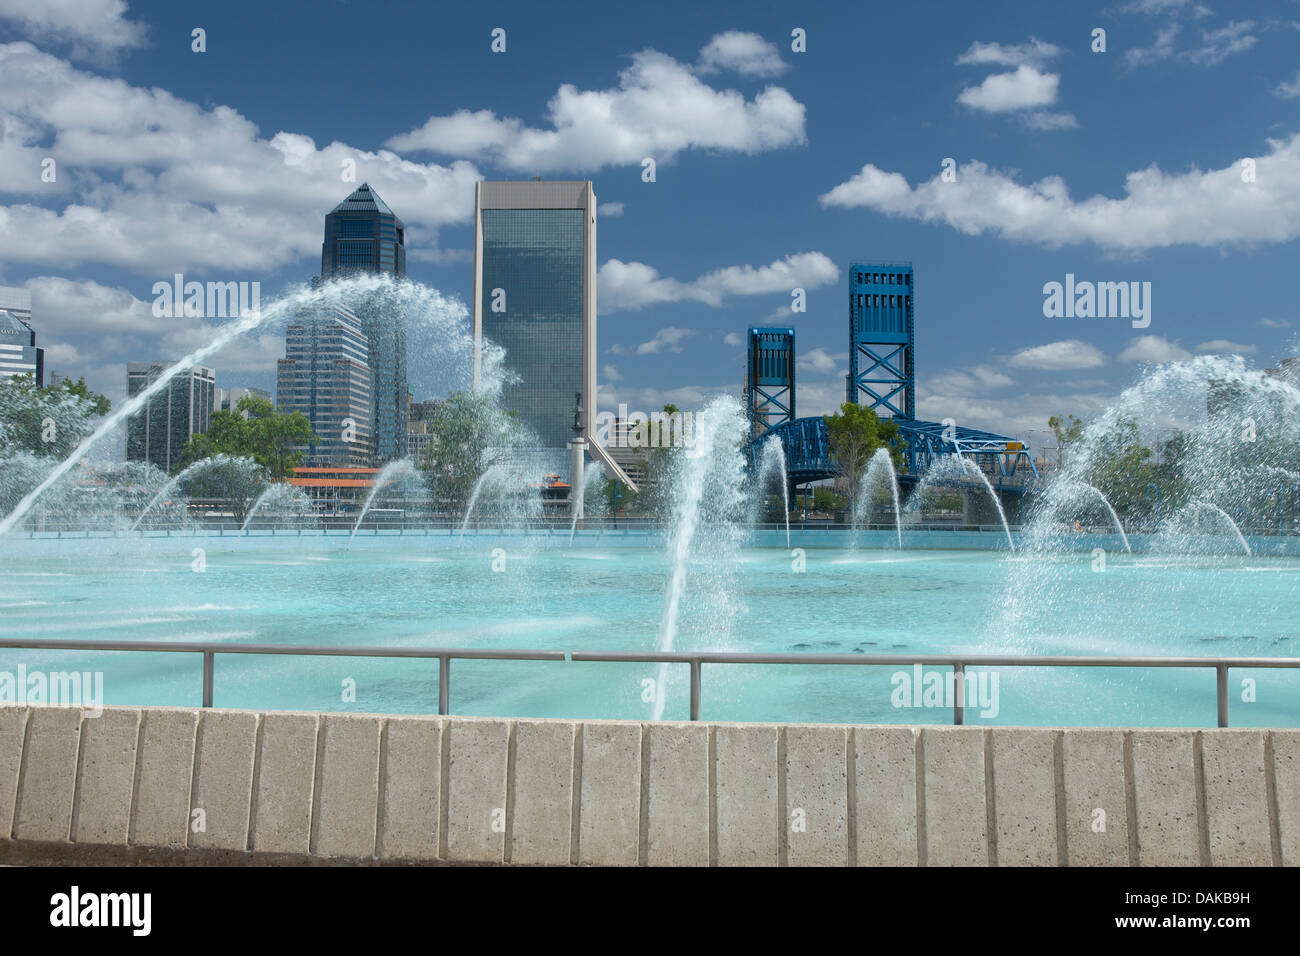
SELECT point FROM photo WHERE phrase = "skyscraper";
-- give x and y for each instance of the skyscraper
(326, 376)
(18, 352)
(159, 431)
(363, 235)
(535, 296)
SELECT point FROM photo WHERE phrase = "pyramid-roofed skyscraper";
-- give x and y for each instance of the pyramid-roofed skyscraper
(362, 234)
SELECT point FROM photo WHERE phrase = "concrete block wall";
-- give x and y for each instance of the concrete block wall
(185, 785)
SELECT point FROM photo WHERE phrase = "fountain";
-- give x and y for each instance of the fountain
(708, 511)
(291, 503)
(771, 461)
(403, 466)
(880, 466)
(175, 480)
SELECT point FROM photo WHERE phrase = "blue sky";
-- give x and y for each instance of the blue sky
(774, 169)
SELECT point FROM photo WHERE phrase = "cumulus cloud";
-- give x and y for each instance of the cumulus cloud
(667, 339)
(820, 362)
(1153, 349)
(659, 109)
(745, 53)
(732, 338)
(155, 184)
(624, 286)
(1057, 356)
(94, 29)
(1275, 323)
(1158, 209)
(610, 210)
(1005, 92)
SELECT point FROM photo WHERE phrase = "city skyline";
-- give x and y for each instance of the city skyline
(1066, 161)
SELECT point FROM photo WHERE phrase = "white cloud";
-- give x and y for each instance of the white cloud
(969, 381)
(1057, 356)
(666, 339)
(659, 109)
(1215, 47)
(1154, 7)
(820, 362)
(1004, 92)
(732, 338)
(1035, 52)
(155, 184)
(96, 29)
(62, 306)
(1161, 49)
(1046, 120)
(1288, 90)
(1159, 209)
(1218, 45)
(745, 53)
(1275, 323)
(1223, 345)
(610, 210)
(1153, 349)
(634, 285)
(612, 373)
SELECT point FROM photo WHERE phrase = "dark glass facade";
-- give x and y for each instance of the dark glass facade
(536, 257)
(325, 376)
(363, 235)
(159, 432)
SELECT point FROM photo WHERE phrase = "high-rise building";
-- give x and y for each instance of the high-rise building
(326, 375)
(18, 352)
(159, 432)
(882, 344)
(363, 235)
(228, 398)
(535, 296)
(418, 435)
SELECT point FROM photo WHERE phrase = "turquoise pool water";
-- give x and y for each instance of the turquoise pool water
(405, 591)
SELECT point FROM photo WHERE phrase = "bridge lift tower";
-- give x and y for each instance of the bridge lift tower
(882, 341)
(769, 379)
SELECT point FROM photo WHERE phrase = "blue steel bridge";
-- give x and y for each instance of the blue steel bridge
(1006, 461)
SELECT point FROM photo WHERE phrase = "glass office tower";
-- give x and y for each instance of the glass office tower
(363, 235)
(159, 432)
(535, 296)
(325, 375)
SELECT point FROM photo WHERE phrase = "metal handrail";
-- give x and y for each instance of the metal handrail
(958, 662)
(209, 650)
(445, 655)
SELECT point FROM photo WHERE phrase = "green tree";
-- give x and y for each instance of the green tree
(273, 439)
(48, 422)
(855, 434)
(468, 434)
(1067, 434)
(99, 404)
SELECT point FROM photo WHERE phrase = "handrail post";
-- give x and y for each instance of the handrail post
(695, 688)
(1222, 691)
(958, 693)
(444, 684)
(208, 671)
